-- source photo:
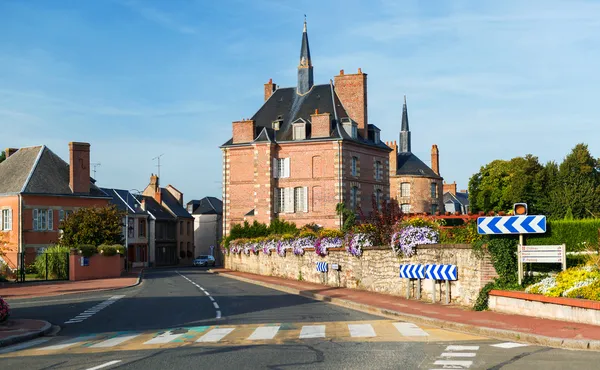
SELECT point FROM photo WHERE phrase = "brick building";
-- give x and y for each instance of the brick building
(416, 186)
(308, 148)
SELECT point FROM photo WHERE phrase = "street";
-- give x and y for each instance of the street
(189, 318)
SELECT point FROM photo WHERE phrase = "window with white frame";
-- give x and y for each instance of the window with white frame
(354, 197)
(299, 131)
(405, 189)
(378, 171)
(405, 208)
(434, 190)
(6, 219)
(281, 168)
(43, 219)
(291, 200)
(299, 199)
(378, 198)
(354, 166)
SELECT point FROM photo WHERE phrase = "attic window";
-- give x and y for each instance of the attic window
(275, 125)
(376, 137)
(299, 131)
(350, 127)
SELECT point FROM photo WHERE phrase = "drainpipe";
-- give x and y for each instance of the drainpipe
(20, 256)
(341, 162)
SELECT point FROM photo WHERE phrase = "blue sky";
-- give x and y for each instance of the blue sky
(139, 78)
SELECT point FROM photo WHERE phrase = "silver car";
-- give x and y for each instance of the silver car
(204, 261)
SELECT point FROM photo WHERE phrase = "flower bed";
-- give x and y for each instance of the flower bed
(577, 282)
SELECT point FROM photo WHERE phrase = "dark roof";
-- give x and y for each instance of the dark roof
(462, 198)
(124, 201)
(37, 170)
(173, 205)
(409, 164)
(207, 206)
(156, 210)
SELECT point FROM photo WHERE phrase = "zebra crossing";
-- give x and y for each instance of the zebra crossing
(377, 331)
(456, 357)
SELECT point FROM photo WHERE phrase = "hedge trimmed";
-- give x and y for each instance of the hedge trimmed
(576, 234)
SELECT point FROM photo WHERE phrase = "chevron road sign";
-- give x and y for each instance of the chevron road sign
(511, 225)
(412, 271)
(322, 266)
(441, 272)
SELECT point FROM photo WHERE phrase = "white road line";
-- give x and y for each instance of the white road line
(215, 335)
(114, 341)
(218, 314)
(211, 298)
(163, 338)
(67, 343)
(205, 292)
(462, 348)
(110, 363)
(72, 321)
(408, 329)
(361, 330)
(312, 331)
(508, 345)
(264, 332)
(94, 310)
(458, 354)
(447, 363)
(21, 346)
(216, 305)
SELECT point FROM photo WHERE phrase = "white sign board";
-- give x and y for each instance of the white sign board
(541, 254)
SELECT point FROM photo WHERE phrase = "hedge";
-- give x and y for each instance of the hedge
(576, 234)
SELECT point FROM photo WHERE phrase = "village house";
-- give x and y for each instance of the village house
(308, 148)
(208, 224)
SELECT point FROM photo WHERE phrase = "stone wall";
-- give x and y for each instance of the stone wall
(377, 270)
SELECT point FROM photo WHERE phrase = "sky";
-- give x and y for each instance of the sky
(484, 80)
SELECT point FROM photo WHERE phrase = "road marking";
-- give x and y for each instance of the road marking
(264, 332)
(361, 330)
(408, 329)
(218, 313)
(211, 298)
(508, 345)
(114, 341)
(20, 346)
(104, 365)
(216, 305)
(94, 310)
(205, 292)
(215, 335)
(462, 348)
(446, 363)
(458, 354)
(67, 343)
(312, 331)
(163, 338)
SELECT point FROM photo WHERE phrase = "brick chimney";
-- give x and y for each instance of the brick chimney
(243, 131)
(79, 167)
(450, 188)
(393, 157)
(320, 124)
(270, 88)
(155, 188)
(352, 91)
(435, 159)
(10, 151)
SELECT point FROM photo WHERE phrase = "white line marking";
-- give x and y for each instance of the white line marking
(20, 346)
(114, 341)
(163, 338)
(215, 335)
(462, 348)
(73, 321)
(211, 298)
(408, 329)
(216, 305)
(361, 330)
(445, 363)
(205, 292)
(104, 365)
(264, 332)
(458, 354)
(509, 345)
(218, 314)
(67, 343)
(312, 331)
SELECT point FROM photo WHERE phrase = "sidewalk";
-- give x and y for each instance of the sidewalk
(45, 289)
(20, 330)
(528, 329)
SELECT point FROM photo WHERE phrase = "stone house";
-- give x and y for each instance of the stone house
(456, 201)
(208, 224)
(416, 186)
(306, 149)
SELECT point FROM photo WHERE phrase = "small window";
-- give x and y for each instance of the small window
(281, 168)
(142, 228)
(434, 191)
(354, 166)
(378, 171)
(405, 189)
(275, 125)
(61, 215)
(299, 131)
(130, 228)
(405, 208)
(298, 199)
(354, 197)
(280, 200)
(6, 220)
(190, 208)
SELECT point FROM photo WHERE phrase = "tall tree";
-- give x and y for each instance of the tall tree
(2, 156)
(93, 225)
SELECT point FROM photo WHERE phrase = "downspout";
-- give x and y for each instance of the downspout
(20, 242)
(340, 159)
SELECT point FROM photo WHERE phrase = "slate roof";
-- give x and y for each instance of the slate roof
(409, 164)
(37, 170)
(207, 206)
(124, 201)
(462, 198)
(173, 205)
(157, 210)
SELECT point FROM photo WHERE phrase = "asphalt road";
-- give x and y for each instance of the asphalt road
(158, 324)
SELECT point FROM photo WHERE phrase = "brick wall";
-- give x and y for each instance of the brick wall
(100, 267)
(243, 131)
(352, 91)
(420, 199)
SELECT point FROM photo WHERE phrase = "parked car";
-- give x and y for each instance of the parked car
(204, 261)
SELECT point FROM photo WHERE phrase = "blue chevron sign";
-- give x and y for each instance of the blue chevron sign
(441, 272)
(511, 225)
(412, 271)
(322, 266)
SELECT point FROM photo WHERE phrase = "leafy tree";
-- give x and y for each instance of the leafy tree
(348, 216)
(93, 225)
(2, 156)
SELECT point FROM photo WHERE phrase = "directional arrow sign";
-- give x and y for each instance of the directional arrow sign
(441, 272)
(412, 271)
(511, 225)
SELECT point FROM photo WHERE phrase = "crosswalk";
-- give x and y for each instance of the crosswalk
(456, 357)
(277, 333)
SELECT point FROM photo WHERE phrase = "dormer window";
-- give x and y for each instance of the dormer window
(350, 127)
(299, 131)
(354, 131)
(275, 125)
(376, 137)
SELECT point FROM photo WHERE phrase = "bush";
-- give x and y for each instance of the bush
(107, 250)
(591, 291)
(4, 310)
(120, 249)
(577, 234)
(308, 234)
(54, 263)
(331, 233)
(88, 250)
(465, 234)
(278, 226)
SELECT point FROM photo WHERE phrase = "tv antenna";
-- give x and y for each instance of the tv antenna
(158, 157)
(94, 165)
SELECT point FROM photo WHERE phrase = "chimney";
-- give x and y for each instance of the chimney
(270, 88)
(243, 131)
(155, 187)
(10, 151)
(320, 124)
(79, 167)
(450, 188)
(352, 91)
(435, 159)
(393, 157)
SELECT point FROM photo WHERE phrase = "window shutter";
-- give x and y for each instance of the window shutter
(35, 219)
(275, 200)
(50, 219)
(286, 168)
(10, 220)
(289, 200)
(1, 220)
(275, 169)
(305, 199)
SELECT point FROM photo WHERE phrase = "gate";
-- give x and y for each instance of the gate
(43, 267)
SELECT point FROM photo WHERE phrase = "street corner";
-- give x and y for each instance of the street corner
(15, 331)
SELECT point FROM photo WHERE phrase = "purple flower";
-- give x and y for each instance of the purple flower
(408, 238)
(321, 245)
(300, 244)
(356, 242)
(268, 246)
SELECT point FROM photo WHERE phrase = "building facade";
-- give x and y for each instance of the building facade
(308, 148)
(456, 201)
(208, 225)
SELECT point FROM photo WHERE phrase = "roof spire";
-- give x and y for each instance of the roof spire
(305, 69)
(404, 130)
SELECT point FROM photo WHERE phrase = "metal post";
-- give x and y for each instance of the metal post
(407, 288)
(418, 288)
(520, 259)
(126, 238)
(46, 255)
(447, 292)
(564, 257)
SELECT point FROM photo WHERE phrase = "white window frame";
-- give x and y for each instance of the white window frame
(378, 170)
(281, 168)
(43, 219)
(376, 137)
(354, 163)
(301, 126)
(405, 208)
(405, 189)
(6, 219)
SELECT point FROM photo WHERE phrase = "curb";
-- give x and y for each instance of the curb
(501, 334)
(27, 336)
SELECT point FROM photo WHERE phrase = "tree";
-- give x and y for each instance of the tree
(2, 156)
(93, 225)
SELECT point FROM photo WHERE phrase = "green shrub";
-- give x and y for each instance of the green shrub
(120, 249)
(307, 234)
(107, 250)
(331, 233)
(311, 227)
(578, 235)
(278, 226)
(88, 250)
(465, 234)
(54, 263)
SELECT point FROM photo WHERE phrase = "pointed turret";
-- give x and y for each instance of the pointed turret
(305, 68)
(404, 130)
